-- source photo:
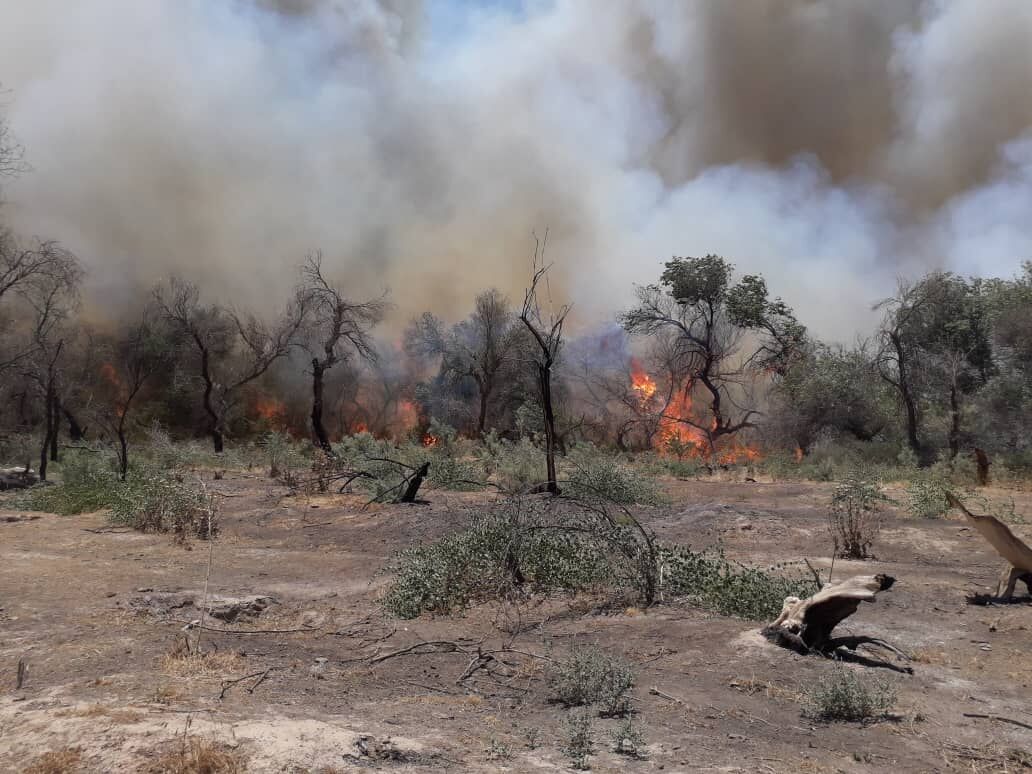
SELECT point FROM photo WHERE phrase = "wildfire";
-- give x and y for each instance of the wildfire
(271, 410)
(798, 453)
(430, 441)
(642, 384)
(680, 431)
(111, 377)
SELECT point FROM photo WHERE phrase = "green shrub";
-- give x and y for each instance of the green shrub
(629, 740)
(515, 466)
(854, 518)
(926, 494)
(153, 501)
(599, 476)
(590, 677)
(89, 482)
(715, 583)
(580, 742)
(848, 695)
(502, 549)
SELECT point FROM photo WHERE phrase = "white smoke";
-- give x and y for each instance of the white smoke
(826, 143)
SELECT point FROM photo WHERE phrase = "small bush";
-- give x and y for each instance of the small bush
(66, 761)
(628, 740)
(849, 696)
(513, 466)
(88, 483)
(198, 756)
(505, 548)
(283, 457)
(155, 502)
(599, 476)
(926, 494)
(580, 741)
(715, 583)
(590, 677)
(855, 518)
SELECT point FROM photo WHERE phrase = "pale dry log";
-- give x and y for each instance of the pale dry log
(1007, 544)
(806, 625)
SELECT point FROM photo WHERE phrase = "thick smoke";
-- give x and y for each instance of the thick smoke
(829, 144)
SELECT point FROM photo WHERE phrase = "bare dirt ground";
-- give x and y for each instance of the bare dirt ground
(93, 616)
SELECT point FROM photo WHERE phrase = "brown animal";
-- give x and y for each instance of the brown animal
(1007, 544)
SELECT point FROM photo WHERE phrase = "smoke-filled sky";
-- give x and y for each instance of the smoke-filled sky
(829, 144)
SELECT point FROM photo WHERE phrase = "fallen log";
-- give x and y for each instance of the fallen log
(1007, 544)
(17, 478)
(805, 625)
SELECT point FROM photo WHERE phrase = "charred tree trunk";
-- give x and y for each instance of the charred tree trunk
(416, 481)
(954, 435)
(322, 438)
(482, 413)
(906, 394)
(545, 385)
(49, 423)
(982, 463)
(76, 432)
(55, 426)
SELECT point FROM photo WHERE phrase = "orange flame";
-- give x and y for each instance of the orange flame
(111, 377)
(430, 441)
(681, 431)
(798, 453)
(642, 384)
(271, 410)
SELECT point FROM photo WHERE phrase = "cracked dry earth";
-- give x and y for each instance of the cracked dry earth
(96, 617)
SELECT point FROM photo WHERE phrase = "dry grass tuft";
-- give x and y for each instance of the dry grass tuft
(66, 761)
(179, 662)
(115, 714)
(199, 756)
(769, 689)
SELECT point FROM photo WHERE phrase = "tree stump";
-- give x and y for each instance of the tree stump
(805, 625)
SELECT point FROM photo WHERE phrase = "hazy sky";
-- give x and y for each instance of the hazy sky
(829, 144)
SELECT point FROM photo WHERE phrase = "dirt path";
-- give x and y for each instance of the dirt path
(96, 615)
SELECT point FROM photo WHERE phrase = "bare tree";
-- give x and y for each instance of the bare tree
(232, 349)
(132, 361)
(335, 327)
(546, 328)
(52, 296)
(481, 348)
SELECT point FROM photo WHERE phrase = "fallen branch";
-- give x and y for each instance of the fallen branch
(454, 647)
(999, 718)
(195, 624)
(227, 684)
(656, 692)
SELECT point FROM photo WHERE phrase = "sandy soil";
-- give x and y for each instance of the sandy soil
(91, 613)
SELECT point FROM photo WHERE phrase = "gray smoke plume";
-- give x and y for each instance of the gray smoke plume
(828, 144)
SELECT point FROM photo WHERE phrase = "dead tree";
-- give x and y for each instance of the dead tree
(1007, 544)
(547, 332)
(52, 295)
(232, 350)
(805, 625)
(334, 327)
(132, 361)
(982, 463)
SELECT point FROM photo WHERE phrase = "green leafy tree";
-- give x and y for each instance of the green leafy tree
(708, 314)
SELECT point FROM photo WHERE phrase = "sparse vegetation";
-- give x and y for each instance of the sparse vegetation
(855, 516)
(591, 677)
(629, 740)
(194, 755)
(66, 761)
(714, 582)
(580, 740)
(847, 695)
